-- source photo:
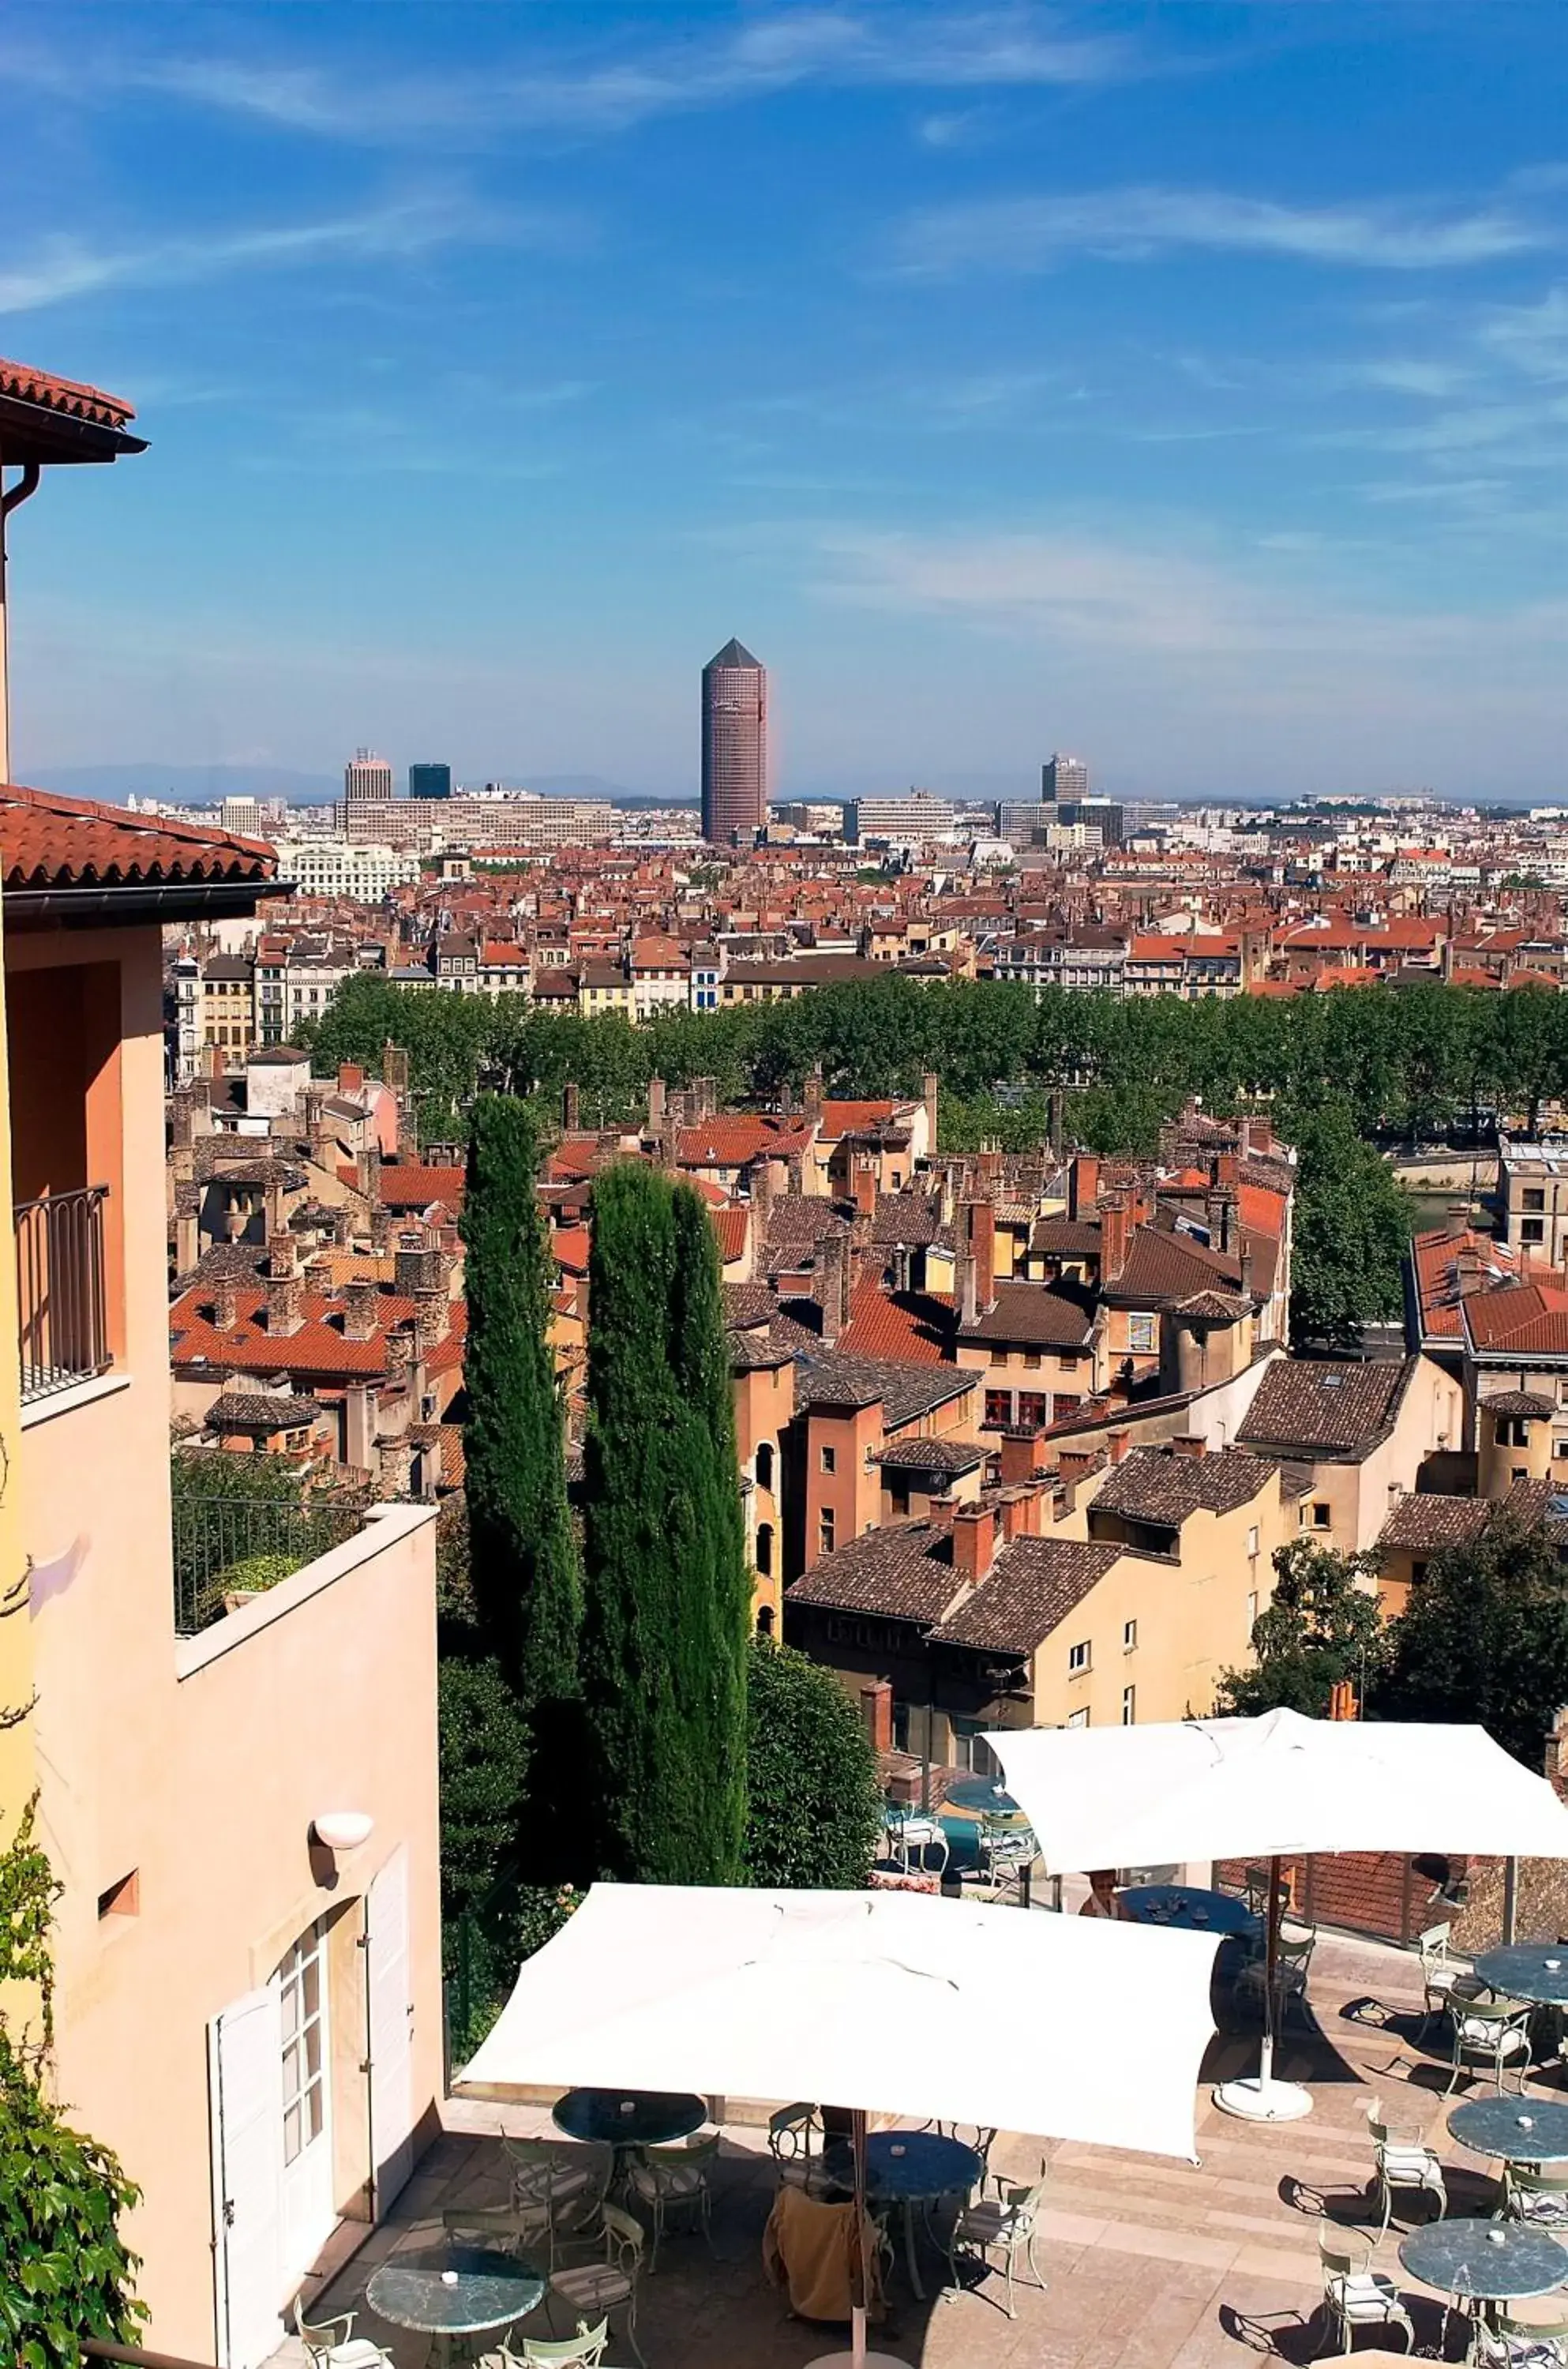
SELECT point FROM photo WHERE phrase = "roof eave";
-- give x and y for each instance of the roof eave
(31, 433)
(95, 907)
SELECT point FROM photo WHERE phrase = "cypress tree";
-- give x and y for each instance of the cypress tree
(524, 1561)
(667, 1596)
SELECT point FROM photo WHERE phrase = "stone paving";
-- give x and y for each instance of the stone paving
(1148, 2263)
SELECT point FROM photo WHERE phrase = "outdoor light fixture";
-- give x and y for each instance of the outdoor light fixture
(341, 1830)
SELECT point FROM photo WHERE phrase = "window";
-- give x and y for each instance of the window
(1417, 1572)
(1078, 1659)
(1067, 1360)
(1534, 1197)
(765, 1465)
(1322, 1515)
(765, 1550)
(1532, 1229)
(971, 1751)
(1252, 1611)
(1066, 1402)
(1032, 1360)
(1032, 1410)
(764, 1620)
(825, 1529)
(301, 1986)
(999, 1410)
(830, 1459)
(1079, 1718)
(1129, 1636)
(1130, 1706)
(1252, 1540)
(1141, 1334)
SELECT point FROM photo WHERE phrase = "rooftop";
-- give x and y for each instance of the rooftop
(1320, 1407)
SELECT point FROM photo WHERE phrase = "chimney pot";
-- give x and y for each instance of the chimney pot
(974, 1543)
(1190, 1444)
(359, 1307)
(1117, 1445)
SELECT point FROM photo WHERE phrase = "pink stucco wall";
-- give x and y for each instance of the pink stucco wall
(200, 1765)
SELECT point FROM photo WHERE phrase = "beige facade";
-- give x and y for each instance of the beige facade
(182, 1779)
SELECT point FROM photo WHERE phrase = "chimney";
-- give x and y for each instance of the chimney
(832, 1255)
(367, 1169)
(358, 1426)
(1247, 1274)
(569, 1099)
(811, 1100)
(764, 1182)
(1053, 1121)
(225, 1305)
(1218, 1209)
(285, 1298)
(182, 1117)
(1030, 1520)
(1117, 1444)
(929, 1087)
(982, 1247)
(1458, 1221)
(988, 1168)
(974, 1543)
(1074, 1462)
(1084, 1190)
(968, 1304)
(350, 1077)
(187, 1226)
(415, 1270)
(431, 1311)
(359, 1312)
(394, 1070)
(864, 1187)
(655, 1104)
(1114, 1233)
(1469, 1273)
(1017, 1458)
(1010, 1514)
(1190, 1444)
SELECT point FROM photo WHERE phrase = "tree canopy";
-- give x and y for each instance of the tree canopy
(814, 1797)
(1485, 1638)
(1321, 1626)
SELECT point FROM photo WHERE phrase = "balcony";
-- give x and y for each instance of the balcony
(62, 1314)
(227, 1550)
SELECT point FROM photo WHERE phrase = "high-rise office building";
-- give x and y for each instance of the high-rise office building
(1063, 777)
(429, 781)
(1098, 814)
(735, 746)
(366, 775)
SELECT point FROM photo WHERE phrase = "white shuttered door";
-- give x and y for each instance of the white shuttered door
(248, 2155)
(390, 2018)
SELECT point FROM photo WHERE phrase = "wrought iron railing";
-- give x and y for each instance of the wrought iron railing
(227, 1549)
(64, 1326)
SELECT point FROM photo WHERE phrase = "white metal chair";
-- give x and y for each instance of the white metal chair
(912, 1834)
(329, 2349)
(1541, 2197)
(583, 2351)
(1003, 2224)
(1439, 1973)
(1402, 2163)
(1356, 2295)
(603, 2286)
(1292, 1961)
(1490, 2031)
(793, 2133)
(675, 2179)
(1499, 2341)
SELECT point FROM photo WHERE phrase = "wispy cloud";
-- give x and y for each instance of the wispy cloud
(897, 46)
(1031, 234)
(63, 265)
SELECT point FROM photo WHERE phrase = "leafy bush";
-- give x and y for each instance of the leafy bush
(814, 1804)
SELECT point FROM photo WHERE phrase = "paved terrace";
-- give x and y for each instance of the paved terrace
(1150, 2264)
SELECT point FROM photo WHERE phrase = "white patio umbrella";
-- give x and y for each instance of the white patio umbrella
(1260, 1788)
(879, 2001)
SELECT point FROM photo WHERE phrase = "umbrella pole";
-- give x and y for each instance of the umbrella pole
(1266, 2099)
(860, 2283)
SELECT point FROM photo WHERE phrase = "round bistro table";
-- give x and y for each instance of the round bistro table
(1190, 1906)
(628, 2118)
(1537, 1970)
(457, 2290)
(911, 2167)
(980, 1797)
(1520, 2130)
(1484, 2261)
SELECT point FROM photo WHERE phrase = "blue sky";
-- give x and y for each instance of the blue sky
(1183, 384)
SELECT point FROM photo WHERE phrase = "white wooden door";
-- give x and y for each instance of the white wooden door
(308, 2215)
(389, 2014)
(248, 2155)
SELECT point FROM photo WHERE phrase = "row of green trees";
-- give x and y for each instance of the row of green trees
(604, 1710)
(1484, 1639)
(1408, 1062)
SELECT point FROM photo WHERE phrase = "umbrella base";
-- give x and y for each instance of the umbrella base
(1263, 2100)
(871, 2361)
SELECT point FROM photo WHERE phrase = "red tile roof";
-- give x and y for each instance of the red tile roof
(317, 1347)
(852, 1118)
(1434, 1255)
(914, 1326)
(48, 841)
(731, 1139)
(1522, 1318)
(64, 395)
(406, 1185)
(731, 1225)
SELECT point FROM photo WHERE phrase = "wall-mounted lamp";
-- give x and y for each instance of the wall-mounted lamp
(341, 1830)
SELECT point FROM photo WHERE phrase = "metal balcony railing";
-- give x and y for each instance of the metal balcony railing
(226, 1549)
(59, 1290)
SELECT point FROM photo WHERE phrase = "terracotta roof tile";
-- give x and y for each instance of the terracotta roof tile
(1522, 1318)
(48, 841)
(1032, 1585)
(914, 1325)
(1425, 1525)
(64, 395)
(1312, 1406)
(407, 1184)
(904, 1571)
(1157, 1485)
(1051, 1314)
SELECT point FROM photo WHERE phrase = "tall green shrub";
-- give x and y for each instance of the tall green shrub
(524, 1561)
(668, 1593)
(813, 1798)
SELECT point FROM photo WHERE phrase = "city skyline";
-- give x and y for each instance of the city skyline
(1003, 413)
